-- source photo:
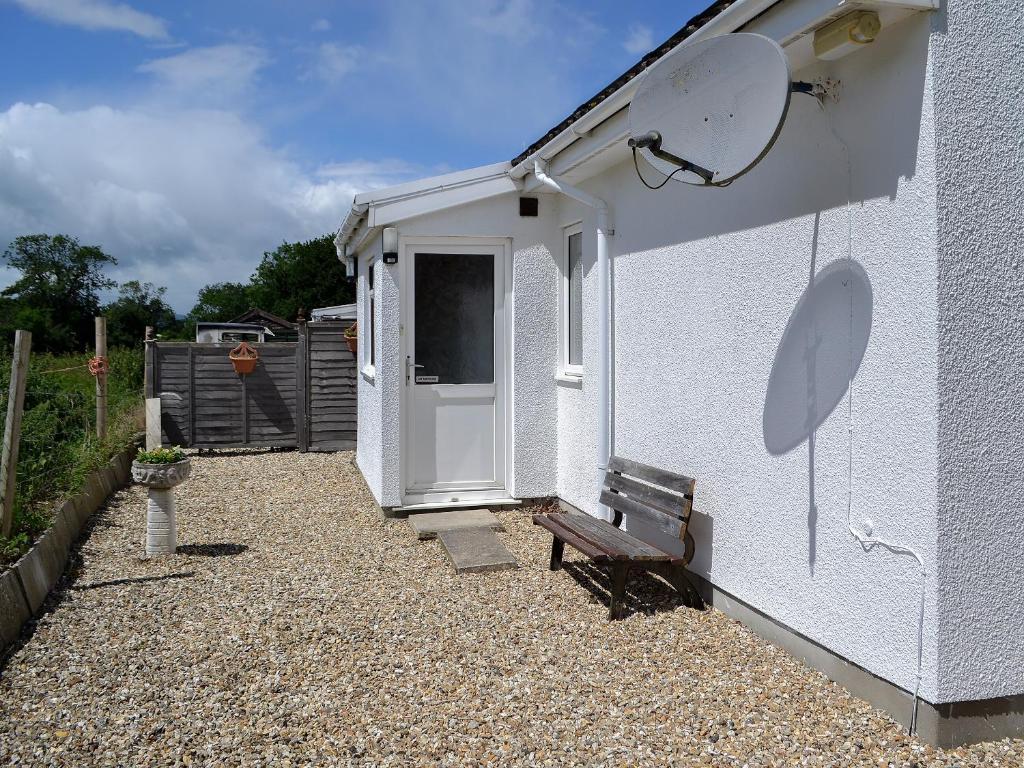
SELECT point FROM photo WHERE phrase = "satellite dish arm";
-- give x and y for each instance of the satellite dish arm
(652, 141)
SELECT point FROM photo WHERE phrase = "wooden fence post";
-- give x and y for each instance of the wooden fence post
(154, 429)
(12, 429)
(302, 387)
(101, 379)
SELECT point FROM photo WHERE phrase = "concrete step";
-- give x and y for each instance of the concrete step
(476, 550)
(429, 524)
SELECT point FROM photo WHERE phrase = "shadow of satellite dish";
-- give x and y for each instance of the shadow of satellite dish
(819, 355)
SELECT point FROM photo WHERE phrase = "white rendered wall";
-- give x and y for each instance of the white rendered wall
(979, 73)
(368, 401)
(705, 283)
(534, 316)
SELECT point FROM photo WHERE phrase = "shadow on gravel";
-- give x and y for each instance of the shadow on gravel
(139, 580)
(645, 593)
(212, 550)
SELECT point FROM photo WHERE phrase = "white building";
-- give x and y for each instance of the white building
(835, 338)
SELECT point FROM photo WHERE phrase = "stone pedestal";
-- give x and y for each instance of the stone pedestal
(161, 525)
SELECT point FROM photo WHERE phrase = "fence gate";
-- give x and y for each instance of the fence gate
(301, 395)
(328, 388)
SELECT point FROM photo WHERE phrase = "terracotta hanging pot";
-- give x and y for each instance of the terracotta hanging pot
(352, 338)
(244, 358)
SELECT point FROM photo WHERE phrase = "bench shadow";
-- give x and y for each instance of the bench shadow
(220, 549)
(645, 592)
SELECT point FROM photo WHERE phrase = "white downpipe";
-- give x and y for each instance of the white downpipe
(603, 314)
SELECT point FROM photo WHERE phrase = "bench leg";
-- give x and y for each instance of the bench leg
(676, 576)
(618, 595)
(557, 547)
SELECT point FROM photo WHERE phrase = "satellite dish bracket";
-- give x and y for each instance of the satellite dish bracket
(652, 141)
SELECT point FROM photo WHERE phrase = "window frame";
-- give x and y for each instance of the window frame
(565, 368)
(367, 329)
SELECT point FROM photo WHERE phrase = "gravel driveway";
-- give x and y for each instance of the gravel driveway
(296, 627)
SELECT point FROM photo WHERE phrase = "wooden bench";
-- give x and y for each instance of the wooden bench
(661, 500)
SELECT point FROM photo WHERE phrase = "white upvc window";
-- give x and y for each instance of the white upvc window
(570, 303)
(368, 326)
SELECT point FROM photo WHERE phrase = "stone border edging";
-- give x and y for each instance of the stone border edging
(24, 587)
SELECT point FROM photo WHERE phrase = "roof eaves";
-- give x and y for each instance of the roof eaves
(648, 59)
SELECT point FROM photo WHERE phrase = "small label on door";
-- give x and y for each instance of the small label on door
(426, 379)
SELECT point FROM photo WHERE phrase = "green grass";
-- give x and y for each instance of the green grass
(59, 447)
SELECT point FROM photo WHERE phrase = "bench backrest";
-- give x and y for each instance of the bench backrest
(661, 499)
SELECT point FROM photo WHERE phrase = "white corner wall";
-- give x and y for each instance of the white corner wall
(725, 351)
(534, 316)
(979, 102)
(368, 400)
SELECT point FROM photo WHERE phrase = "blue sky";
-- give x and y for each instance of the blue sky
(187, 138)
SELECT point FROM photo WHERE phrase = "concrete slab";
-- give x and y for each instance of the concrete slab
(40, 569)
(476, 550)
(14, 611)
(429, 524)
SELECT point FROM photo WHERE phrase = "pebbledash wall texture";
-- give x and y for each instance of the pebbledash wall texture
(977, 55)
(834, 338)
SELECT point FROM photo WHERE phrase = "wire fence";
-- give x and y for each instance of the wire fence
(58, 446)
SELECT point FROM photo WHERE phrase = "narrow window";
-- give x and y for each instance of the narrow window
(373, 320)
(367, 321)
(571, 301)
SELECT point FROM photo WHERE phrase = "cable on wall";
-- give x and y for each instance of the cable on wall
(863, 535)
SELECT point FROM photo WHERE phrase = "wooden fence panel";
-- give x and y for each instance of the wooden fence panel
(331, 385)
(302, 394)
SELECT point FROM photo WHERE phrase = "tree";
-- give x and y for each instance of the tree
(137, 305)
(57, 295)
(300, 275)
(220, 302)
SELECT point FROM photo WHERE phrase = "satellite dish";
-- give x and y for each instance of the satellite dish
(709, 112)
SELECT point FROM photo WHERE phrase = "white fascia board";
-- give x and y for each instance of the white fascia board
(391, 211)
(432, 184)
(415, 198)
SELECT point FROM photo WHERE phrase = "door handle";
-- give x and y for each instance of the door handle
(409, 364)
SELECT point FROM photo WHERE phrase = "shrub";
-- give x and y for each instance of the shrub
(161, 456)
(59, 447)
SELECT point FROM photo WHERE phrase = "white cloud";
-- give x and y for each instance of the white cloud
(217, 71)
(639, 39)
(181, 198)
(321, 25)
(98, 15)
(332, 61)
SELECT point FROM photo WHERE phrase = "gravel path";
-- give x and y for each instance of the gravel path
(296, 627)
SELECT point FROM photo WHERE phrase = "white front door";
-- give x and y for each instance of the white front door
(455, 372)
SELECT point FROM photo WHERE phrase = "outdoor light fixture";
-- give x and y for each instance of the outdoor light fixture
(846, 34)
(390, 245)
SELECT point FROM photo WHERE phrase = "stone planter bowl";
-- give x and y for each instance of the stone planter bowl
(162, 475)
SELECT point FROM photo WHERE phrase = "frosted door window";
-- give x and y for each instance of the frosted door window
(454, 319)
(574, 299)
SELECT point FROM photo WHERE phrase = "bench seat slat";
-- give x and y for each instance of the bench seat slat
(550, 523)
(619, 544)
(670, 526)
(662, 477)
(665, 502)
